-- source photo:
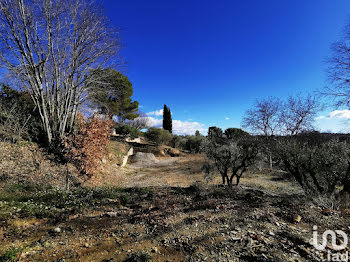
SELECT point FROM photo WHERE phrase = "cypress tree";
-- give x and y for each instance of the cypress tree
(167, 121)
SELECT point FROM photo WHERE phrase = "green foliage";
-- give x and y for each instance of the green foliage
(124, 199)
(112, 94)
(215, 133)
(193, 144)
(30, 200)
(37, 201)
(235, 133)
(230, 152)
(167, 121)
(127, 130)
(178, 142)
(158, 135)
(318, 165)
(11, 255)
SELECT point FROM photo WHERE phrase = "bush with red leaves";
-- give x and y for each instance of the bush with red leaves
(86, 146)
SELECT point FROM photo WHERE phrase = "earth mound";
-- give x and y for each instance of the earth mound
(144, 158)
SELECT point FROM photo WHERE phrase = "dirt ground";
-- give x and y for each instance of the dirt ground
(184, 172)
(166, 211)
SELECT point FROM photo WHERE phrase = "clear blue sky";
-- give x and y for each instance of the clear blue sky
(210, 60)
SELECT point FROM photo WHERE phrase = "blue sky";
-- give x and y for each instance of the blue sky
(209, 60)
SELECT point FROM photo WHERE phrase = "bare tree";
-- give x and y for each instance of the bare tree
(298, 114)
(51, 47)
(263, 117)
(12, 126)
(141, 122)
(338, 70)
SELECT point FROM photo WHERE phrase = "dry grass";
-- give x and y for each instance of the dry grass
(28, 163)
(185, 171)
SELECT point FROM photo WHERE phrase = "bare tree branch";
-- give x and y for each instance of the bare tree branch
(263, 118)
(51, 46)
(298, 114)
(338, 71)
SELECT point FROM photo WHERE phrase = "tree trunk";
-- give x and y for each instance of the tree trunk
(238, 178)
(229, 181)
(67, 179)
(270, 160)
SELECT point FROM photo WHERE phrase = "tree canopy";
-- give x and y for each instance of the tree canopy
(167, 120)
(112, 94)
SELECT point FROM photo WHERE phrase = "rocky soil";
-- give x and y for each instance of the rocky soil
(160, 213)
(164, 224)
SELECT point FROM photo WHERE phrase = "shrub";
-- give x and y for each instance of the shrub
(124, 199)
(86, 146)
(188, 143)
(229, 154)
(193, 144)
(12, 127)
(127, 130)
(19, 117)
(235, 133)
(158, 135)
(178, 142)
(318, 166)
(139, 256)
(11, 255)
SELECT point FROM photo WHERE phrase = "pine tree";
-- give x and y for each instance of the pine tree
(167, 121)
(111, 95)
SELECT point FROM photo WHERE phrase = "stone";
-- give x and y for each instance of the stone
(125, 159)
(57, 230)
(296, 218)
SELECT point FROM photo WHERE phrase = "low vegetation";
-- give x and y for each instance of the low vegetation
(158, 135)
(320, 165)
(86, 146)
(127, 130)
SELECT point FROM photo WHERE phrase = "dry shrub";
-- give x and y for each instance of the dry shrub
(86, 146)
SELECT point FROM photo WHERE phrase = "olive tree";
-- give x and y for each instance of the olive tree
(51, 47)
(230, 155)
(318, 165)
